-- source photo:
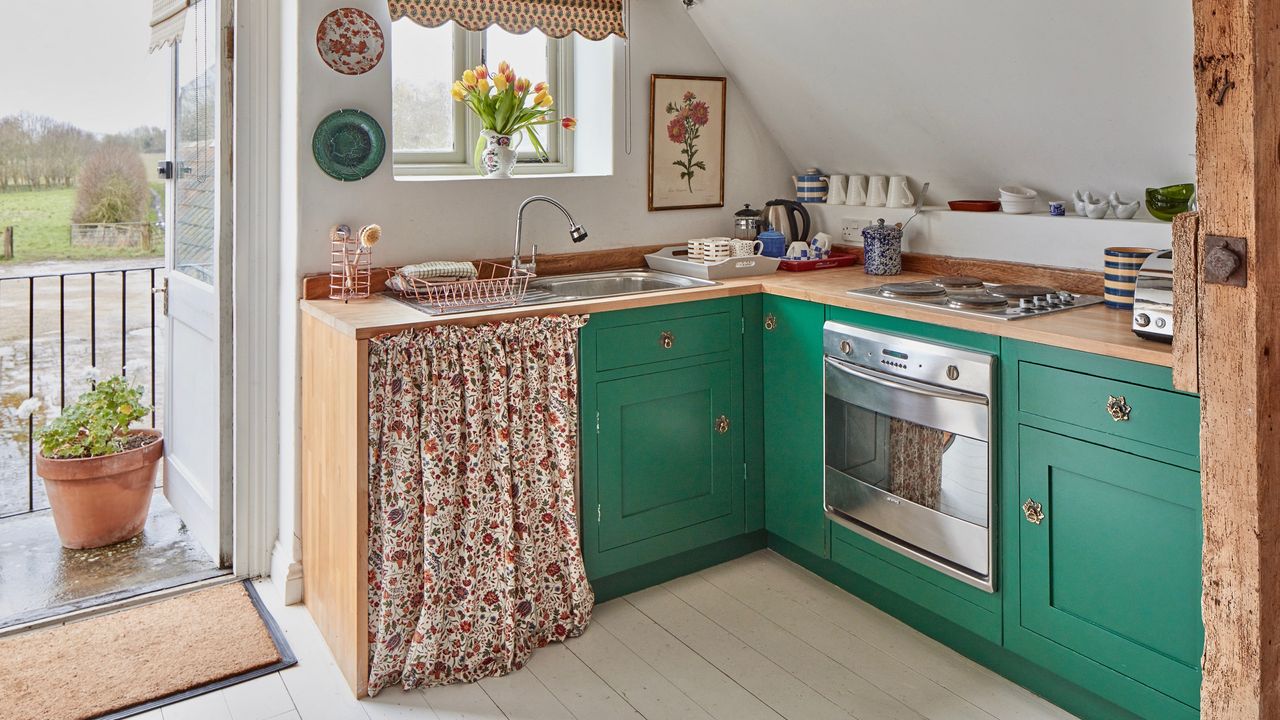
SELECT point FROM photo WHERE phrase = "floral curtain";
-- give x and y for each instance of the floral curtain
(474, 554)
(593, 19)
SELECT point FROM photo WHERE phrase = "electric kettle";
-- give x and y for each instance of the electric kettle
(789, 209)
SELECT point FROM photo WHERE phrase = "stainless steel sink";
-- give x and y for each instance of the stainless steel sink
(583, 286)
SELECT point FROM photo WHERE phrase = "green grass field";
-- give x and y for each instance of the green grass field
(41, 221)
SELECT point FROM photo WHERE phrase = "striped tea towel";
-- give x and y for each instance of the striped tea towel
(439, 269)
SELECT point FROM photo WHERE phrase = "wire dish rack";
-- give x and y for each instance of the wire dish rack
(494, 286)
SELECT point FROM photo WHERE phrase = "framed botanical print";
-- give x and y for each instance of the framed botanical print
(686, 142)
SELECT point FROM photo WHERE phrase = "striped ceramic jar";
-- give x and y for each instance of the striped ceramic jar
(1121, 274)
(811, 186)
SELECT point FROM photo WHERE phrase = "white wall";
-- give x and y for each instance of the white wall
(475, 218)
(970, 95)
(472, 218)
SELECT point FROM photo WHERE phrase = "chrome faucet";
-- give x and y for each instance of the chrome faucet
(576, 233)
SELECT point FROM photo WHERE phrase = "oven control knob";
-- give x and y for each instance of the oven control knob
(1142, 320)
(953, 373)
(846, 347)
(1066, 298)
(1026, 304)
(1160, 323)
(1041, 301)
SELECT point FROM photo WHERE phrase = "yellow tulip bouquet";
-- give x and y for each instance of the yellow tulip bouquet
(507, 105)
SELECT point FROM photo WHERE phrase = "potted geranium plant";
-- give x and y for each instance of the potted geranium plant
(509, 108)
(98, 471)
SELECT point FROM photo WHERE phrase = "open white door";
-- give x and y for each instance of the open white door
(198, 352)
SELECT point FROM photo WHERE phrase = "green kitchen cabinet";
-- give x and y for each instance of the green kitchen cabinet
(663, 470)
(1102, 527)
(1110, 562)
(793, 408)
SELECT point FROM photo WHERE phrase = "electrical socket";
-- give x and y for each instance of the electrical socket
(851, 230)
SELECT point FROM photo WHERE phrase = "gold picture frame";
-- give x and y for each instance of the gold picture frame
(686, 141)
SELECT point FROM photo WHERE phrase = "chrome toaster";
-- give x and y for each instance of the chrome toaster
(1153, 298)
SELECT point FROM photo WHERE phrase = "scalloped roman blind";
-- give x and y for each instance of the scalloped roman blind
(168, 18)
(592, 19)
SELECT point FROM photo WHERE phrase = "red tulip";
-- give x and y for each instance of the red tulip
(568, 123)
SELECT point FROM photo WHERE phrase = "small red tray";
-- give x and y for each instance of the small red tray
(835, 259)
(974, 205)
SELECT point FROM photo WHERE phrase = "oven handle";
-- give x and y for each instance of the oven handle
(910, 386)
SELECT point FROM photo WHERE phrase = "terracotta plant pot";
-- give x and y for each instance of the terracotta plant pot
(102, 500)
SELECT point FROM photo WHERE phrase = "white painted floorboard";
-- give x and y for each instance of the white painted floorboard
(757, 638)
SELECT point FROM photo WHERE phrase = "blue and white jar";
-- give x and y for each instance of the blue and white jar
(811, 186)
(882, 249)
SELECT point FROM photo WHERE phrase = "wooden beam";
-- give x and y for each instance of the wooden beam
(1237, 49)
(1186, 302)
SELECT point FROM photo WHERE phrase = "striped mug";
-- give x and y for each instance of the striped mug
(1120, 275)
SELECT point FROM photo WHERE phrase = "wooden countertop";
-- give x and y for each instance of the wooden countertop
(1095, 329)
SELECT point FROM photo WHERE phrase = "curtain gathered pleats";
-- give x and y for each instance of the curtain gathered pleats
(592, 19)
(474, 553)
(168, 18)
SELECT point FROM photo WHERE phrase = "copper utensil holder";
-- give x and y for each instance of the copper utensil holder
(349, 265)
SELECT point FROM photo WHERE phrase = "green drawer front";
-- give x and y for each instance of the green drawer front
(642, 343)
(1161, 418)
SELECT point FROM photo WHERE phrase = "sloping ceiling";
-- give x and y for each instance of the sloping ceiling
(970, 94)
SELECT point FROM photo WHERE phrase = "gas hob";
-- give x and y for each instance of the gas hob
(972, 296)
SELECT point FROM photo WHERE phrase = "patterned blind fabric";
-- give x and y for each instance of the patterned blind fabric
(168, 18)
(592, 19)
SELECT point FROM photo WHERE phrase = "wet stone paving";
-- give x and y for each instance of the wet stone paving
(39, 578)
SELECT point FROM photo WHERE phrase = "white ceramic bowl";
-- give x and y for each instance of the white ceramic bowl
(1016, 192)
(1018, 206)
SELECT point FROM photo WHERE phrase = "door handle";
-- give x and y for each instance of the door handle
(1033, 510)
(666, 339)
(163, 291)
(770, 322)
(1118, 408)
(722, 424)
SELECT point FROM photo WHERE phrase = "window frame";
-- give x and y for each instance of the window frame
(469, 50)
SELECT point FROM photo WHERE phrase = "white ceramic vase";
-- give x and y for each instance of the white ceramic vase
(498, 156)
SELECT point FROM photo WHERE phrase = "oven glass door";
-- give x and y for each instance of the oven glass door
(910, 461)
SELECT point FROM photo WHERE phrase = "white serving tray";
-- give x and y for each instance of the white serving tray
(674, 260)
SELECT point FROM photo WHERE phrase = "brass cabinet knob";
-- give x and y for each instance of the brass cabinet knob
(1033, 510)
(770, 322)
(666, 339)
(722, 424)
(1118, 408)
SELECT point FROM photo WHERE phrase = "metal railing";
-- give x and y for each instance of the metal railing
(50, 325)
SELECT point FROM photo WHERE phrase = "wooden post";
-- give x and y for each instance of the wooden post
(6, 252)
(1237, 78)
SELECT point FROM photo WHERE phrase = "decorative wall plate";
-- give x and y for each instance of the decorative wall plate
(350, 41)
(349, 145)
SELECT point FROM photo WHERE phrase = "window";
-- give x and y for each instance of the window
(433, 135)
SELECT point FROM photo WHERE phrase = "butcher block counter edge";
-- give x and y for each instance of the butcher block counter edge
(1094, 329)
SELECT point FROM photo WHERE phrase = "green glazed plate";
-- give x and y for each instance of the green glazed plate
(349, 145)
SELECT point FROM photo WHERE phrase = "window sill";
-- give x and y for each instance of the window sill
(447, 173)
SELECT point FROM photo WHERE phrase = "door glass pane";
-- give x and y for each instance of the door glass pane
(422, 111)
(195, 126)
(527, 54)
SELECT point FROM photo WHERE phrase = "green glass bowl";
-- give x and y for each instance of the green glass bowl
(1166, 202)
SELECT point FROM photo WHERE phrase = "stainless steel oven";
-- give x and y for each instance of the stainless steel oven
(908, 448)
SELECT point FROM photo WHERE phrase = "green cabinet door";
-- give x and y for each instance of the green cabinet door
(668, 464)
(793, 410)
(1111, 570)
